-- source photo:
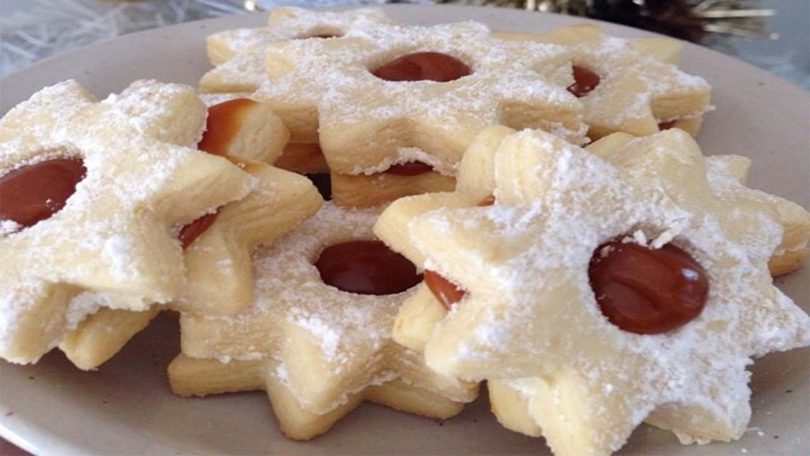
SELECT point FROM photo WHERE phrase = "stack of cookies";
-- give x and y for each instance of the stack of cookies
(353, 209)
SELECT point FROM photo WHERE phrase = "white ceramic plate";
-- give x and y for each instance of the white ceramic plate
(126, 407)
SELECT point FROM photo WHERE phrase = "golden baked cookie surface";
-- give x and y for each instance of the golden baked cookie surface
(529, 312)
(114, 233)
(316, 349)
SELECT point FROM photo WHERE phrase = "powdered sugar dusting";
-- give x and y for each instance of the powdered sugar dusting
(518, 84)
(636, 86)
(8, 227)
(530, 260)
(119, 211)
(117, 250)
(288, 288)
(297, 317)
(239, 53)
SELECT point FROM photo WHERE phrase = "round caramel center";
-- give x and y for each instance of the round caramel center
(413, 168)
(585, 81)
(647, 291)
(35, 192)
(423, 66)
(366, 267)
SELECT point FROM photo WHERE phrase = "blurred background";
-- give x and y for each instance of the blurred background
(771, 34)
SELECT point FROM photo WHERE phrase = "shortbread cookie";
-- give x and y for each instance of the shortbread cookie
(303, 159)
(726, 175)
(421, 173)
(318, 350)
(423, 310)
(380, 91)
(591, 365)
(239, 54)
(381, 188)
(629, 85)
(117, 181)
(250, 129)
(219, 277)
(387, 97)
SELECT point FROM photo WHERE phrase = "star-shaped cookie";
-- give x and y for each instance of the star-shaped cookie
(325, 90)
(217, 247)
(114, 231)
(727, 175)
(529, 313)
(317, 350)
(629, 85)
(239, 54)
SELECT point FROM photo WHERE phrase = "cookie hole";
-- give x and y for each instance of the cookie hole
(644, 290)
(35, 192)
(585, 81)
(366, 267)
(423, 66)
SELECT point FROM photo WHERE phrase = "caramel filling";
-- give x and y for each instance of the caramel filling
(224, 120)
(423, 66)
(445, 291)
(193, 230)
(320, 35)
(585, 81)
(413, 168)
(36, 192)
(647, 291)
(666, 125)
(221, 126)
(366, 267)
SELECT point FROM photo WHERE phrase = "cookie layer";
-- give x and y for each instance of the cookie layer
(114, 233)
(529, 313)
